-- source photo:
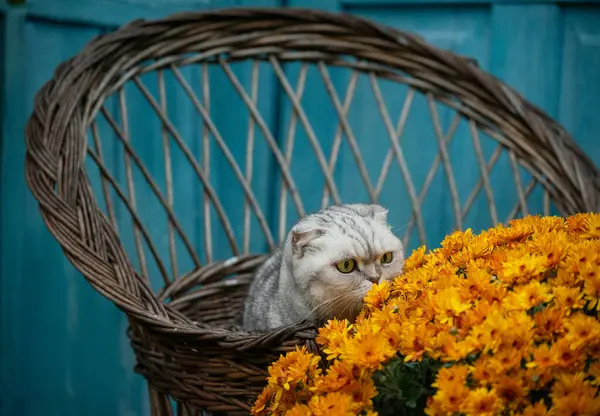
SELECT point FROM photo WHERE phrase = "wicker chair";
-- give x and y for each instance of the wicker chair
(184, 335)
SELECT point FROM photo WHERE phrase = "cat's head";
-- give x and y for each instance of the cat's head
(338, 253)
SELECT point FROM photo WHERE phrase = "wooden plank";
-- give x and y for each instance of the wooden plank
(579, 82)
(392, 3)
(526, 54)
(112, 13)
(64, 326)
(14, 245)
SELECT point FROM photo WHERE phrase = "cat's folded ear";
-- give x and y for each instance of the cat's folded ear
(302, 236)
(374, 211)
(379, 213)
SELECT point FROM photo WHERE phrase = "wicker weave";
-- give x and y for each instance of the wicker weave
(188, 349)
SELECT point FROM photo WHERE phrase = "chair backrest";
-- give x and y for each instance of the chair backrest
(208, 135)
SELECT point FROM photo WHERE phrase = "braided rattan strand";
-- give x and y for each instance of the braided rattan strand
(203, 363)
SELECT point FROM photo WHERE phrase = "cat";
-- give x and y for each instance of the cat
(328, 262)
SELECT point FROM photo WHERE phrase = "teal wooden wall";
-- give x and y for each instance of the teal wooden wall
(63, 349)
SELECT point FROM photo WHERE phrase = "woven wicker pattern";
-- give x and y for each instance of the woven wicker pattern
(184, 336)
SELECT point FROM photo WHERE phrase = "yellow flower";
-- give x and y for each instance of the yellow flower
(339, 377)
(369, 350)
(415, 260)
(449, 303)
(333, 336)
(593, 350)
(364, 393)
(547, 224)
(567, 384)
(477, 280)
(491, 330)
(511, 390)
(410, 283)
(537, 409)
(519, 337)
(542, 358)
(576, 223)
(473, 317)
(582, 330)
(482, 402)
(393, 333)
(572, 394)
(332, 404)
(580, 254)
(592, 226)
(552, 246)
(450, 398)
(594, 371)
(477, 247)
(568, 298)
(591, 276)
(575, 404)
(508, 359)
(455, 242)
(565, 276)
(485, 370)
(496, 293)
(536, 378)
(527, 296)
(564, 356)
(293, 368)
(517, 231)
(263, 400)
(522, 268)
(451, 375)
(548, 323)
(377, 295)
(414, 339)
(299, 410)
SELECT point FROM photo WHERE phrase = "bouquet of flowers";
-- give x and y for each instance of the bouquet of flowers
(503, 322)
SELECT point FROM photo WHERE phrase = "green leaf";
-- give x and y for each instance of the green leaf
(403, 388)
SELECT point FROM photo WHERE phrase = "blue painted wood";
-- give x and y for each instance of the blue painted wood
(13, 245)
(60, 325)
(580, 84)
(114, 12)
(528, 59)
(387, 3)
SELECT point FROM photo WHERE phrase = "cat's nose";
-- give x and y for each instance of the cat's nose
(373, 279)
(371, 273)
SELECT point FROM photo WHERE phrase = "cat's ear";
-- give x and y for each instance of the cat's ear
(302, 236)
(379, 213)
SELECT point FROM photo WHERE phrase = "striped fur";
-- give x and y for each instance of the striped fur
(300, 280)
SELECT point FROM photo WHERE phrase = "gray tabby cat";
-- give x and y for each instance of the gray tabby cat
(328, 262)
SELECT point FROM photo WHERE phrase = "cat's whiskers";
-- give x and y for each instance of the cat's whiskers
(329, 301)
(350, 305)
(343, 301)
(329, 306)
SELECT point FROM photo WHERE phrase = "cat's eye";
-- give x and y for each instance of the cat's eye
(387, 257)
(346, 266)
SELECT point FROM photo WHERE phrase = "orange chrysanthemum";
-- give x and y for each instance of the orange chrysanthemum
(509, 313)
